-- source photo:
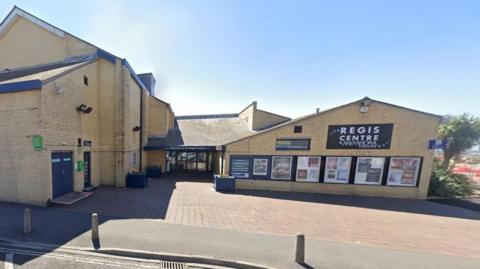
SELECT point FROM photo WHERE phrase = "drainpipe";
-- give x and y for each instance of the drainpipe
(141, 129)
(223, 159)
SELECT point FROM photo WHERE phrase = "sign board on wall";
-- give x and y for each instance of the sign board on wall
(308, 169)
(240, 168)
(360, 136)
(438, 144)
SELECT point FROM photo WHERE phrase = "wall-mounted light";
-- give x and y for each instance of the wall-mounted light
(136, 128)
(84, 108)
(364, 106)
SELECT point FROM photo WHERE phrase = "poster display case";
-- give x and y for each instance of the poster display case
(260, 167)
(281, 167)
(308, 169)
(337, 170)
(403, 171)
(369, 170)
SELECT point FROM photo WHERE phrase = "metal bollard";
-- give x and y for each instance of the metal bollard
(95, 226)
(27, 221)
(300, 249)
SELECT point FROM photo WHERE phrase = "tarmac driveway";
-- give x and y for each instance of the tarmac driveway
(393, 223)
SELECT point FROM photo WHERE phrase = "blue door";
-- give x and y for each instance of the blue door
(62, 173)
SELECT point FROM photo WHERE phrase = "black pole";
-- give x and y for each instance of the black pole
(141, 129)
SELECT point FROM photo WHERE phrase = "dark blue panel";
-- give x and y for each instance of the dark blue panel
(62, 173)
(106, 56)
(21, 86)
(133, 74)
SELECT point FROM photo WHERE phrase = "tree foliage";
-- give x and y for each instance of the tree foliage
(463, 131)
(445, 183)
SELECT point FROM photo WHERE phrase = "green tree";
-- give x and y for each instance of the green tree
(463, 131)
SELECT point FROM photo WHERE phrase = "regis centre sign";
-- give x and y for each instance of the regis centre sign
(360, 136)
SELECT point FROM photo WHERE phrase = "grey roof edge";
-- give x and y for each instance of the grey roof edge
(330, 110)
(124, 60)
(51, 25)
(405, 108)
(12, 73)
(48, 80)
(206, 116)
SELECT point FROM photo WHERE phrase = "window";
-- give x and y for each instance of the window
(85, 80)
(297, 129)
(403, 171)
(369, 170)
(293, 144)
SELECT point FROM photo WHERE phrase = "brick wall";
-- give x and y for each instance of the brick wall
(411, 133)
(27, 44)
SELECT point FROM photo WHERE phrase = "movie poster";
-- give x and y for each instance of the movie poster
(403, 171)
(369, 170)
(337, 170)
(308, 169)
(281, 167)
(260, 167)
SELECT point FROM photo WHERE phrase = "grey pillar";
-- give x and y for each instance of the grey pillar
(27, 221)
(95, 226)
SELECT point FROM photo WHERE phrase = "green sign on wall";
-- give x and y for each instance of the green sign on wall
(37, 142)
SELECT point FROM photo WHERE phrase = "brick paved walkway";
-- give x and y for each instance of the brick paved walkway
(393, 223)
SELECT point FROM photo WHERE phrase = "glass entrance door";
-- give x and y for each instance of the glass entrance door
(191, 161)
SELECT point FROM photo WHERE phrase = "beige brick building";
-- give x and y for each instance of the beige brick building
(73, 116)
(363, 148)
(68, 107)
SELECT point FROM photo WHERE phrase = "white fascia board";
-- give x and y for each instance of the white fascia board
(16, 13)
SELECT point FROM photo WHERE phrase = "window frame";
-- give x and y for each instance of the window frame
(309, 140)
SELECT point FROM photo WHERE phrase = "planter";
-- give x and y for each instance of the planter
(154, 172)
(224, 183)
(137, 180)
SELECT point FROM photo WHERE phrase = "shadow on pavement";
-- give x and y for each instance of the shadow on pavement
(381, 203)
(58, 226)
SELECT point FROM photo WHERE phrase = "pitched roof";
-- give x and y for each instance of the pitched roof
(17, 12)
(208, 130)
(330, 110)
(34, 77)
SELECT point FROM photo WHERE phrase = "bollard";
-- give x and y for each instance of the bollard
(27, 221)
(94, 226)
(300, 249)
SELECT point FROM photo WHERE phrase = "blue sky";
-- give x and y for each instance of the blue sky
(290, 56)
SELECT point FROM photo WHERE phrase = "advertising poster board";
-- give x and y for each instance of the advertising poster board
(403, 171)
(360, 136)
(260, 167)
(308, 169)
(369, 170)
(281, 167)
(337, 169)
(240, 168)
